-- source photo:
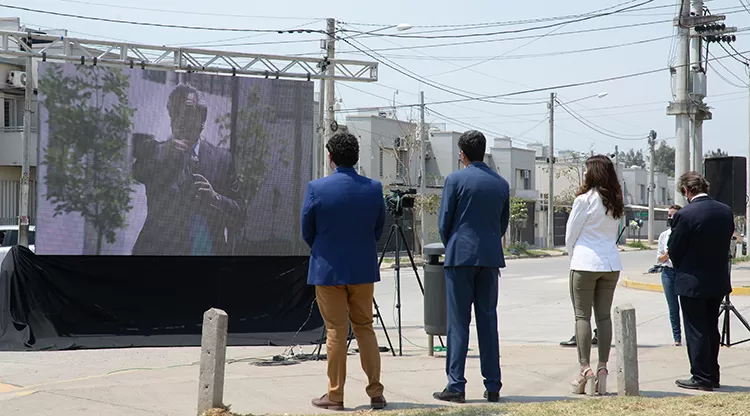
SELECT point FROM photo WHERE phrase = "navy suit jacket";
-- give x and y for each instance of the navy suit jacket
(474, 214)
(342, 220)
(699, 248)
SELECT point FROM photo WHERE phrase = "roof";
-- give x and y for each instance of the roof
(14, 227)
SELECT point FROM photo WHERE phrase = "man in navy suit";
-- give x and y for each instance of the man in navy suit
(342, 219)
(698, 248)
(474, 214)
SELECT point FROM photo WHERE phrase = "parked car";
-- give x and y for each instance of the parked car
(9, 237)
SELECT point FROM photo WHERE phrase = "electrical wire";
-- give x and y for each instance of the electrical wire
(559, 86)
(174, 11)
(504, 39)
(505, 32)
(163, 25)
(592, 127)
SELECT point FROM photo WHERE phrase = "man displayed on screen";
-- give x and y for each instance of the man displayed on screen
(191, 190)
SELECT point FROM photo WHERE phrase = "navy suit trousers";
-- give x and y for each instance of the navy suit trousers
(464, 286)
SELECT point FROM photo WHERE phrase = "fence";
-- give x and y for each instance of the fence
(10, 192)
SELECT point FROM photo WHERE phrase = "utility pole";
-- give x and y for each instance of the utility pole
(619, 180)
(423, 168)
(330, 95)
(682, 105)
(551, 167)
(23, 217)
(747, 168)
(697, 92)
(651, 186)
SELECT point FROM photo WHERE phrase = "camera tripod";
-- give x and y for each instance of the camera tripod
(398, 231)
(323, 337)
(726, 308)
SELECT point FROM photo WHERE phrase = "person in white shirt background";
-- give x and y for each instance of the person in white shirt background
(668, 277)
(595, 266)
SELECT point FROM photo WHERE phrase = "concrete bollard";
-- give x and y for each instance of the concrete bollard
(626, 345)
(213, 360)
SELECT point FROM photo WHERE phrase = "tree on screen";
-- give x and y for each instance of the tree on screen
(89, 125)
(253, 150)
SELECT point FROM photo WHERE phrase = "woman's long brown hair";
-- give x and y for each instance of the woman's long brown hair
(601, 175)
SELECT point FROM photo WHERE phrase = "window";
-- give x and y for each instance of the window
(663, 195)
(525, 178)
(401, 168)
(643, 192)
(7, 112)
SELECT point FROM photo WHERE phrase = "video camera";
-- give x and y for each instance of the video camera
(395, 202)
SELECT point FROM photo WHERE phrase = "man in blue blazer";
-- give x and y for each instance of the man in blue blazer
(699, 250)
(474, 214)
(342, 220)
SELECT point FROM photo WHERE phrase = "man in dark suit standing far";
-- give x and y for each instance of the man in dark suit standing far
(474, 214)
(191, 189)
(698, 248)
(342, 220)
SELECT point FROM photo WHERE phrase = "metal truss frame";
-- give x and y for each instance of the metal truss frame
(112, 53)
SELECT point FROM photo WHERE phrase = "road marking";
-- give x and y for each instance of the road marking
(7, 388)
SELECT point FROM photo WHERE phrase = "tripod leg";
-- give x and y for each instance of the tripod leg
(387, 242)
(725, 340)
(320, 342)
(385, 330)
(416, 271)
(411, 258)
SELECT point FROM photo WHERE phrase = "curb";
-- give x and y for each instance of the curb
(653, 287)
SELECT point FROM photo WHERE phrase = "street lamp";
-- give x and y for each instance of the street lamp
(551, 164)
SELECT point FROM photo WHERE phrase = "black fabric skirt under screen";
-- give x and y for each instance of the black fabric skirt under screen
(69, 302)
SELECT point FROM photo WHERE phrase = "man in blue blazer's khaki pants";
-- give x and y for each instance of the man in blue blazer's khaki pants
(342, 220)
(474, 214)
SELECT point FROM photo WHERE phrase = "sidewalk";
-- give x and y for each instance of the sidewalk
(652, 282)
(163, 381)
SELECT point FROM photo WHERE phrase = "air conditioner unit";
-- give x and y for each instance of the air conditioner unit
(526, 174)
(17, 79)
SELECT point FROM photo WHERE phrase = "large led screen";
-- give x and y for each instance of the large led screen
(156, 163)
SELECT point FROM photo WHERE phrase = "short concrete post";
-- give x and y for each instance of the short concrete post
(213, 360)
(626, 345)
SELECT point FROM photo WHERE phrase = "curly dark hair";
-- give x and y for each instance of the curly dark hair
(602, 176)
(473, 144)
(693, 182)
(344, 149)
(179, 97)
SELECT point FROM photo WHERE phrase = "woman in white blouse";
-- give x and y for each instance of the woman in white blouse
(594, 266)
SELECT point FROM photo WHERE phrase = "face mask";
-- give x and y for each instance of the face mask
(669, 222)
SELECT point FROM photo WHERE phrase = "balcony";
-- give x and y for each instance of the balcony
(11, 148)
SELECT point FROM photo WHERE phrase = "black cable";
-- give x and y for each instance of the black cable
(505, 32)
(578, 116)
(130, 22)
(470, 126)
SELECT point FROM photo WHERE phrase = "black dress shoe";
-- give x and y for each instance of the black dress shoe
(492, 397)
(717, 385)
(450, 396)
(571, 343)
(691, 384)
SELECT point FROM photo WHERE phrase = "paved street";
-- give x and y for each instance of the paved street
(535, 314)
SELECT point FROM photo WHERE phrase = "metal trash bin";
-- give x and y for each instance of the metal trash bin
(435, 304)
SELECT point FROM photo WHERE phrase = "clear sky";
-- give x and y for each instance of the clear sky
(632, 108)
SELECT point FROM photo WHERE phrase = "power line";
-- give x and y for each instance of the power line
(163, 25)
(559, 87)
(504, 39)
(595, 128)
(505, 32)
(173, 11)
(470, 126)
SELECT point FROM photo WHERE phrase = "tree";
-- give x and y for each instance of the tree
(633, 158)
(716, 153)
(519, 215)
(571, 168)
(664, 159)
(251, 152)
(89, 126)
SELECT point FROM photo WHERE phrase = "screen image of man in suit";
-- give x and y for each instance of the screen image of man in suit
(191, 191)
(342, 219)
(698, 248)
(473, 218)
